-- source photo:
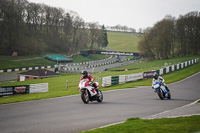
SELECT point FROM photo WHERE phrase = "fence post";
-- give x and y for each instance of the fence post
(66, 85)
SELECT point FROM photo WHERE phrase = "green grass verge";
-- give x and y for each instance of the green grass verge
(57, 85)
(166, 125)
(124, 42)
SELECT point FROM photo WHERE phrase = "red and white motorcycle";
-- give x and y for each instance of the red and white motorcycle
(89, 93)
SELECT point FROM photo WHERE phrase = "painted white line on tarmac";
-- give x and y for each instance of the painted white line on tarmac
(105, 126)
(176, 116)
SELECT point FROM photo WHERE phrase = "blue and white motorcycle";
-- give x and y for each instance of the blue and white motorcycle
(162, 91)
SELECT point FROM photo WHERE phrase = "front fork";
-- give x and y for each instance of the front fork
(86, 92)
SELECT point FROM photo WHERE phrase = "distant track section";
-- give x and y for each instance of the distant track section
(58, 58)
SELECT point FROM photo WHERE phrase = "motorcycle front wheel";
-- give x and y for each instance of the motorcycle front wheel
(161, 94)
(85, 97)
(100, 97)
(169, 95)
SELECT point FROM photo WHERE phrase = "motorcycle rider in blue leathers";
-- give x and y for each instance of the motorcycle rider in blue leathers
(160, 79)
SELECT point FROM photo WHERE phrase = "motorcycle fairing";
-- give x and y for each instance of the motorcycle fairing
(91, 90)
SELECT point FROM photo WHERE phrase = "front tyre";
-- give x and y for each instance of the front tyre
(169, 95)
(85, 97)
(100, 97)
(160, 94)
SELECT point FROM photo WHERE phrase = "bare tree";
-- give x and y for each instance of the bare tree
(94, 33)
(170, 37)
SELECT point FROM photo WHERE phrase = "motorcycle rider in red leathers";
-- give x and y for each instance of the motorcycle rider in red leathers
(85, 75)
(91, 79)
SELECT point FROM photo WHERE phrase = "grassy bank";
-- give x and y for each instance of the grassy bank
(124, 42)
(21, 61)
(166, 125)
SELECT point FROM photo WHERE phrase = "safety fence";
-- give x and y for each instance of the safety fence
(121, 79)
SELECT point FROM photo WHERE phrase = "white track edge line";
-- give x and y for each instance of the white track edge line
(172, 110)
(105, 126)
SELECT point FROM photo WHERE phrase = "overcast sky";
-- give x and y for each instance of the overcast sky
(132, 13)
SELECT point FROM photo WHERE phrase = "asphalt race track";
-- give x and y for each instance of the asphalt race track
(69, 114)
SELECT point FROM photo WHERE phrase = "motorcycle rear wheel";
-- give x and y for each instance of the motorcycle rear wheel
(85, 97)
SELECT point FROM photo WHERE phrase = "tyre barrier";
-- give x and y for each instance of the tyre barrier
(121, 79)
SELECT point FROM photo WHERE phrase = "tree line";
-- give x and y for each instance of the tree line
(30, 28)
(121, 28)
(172, 37)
